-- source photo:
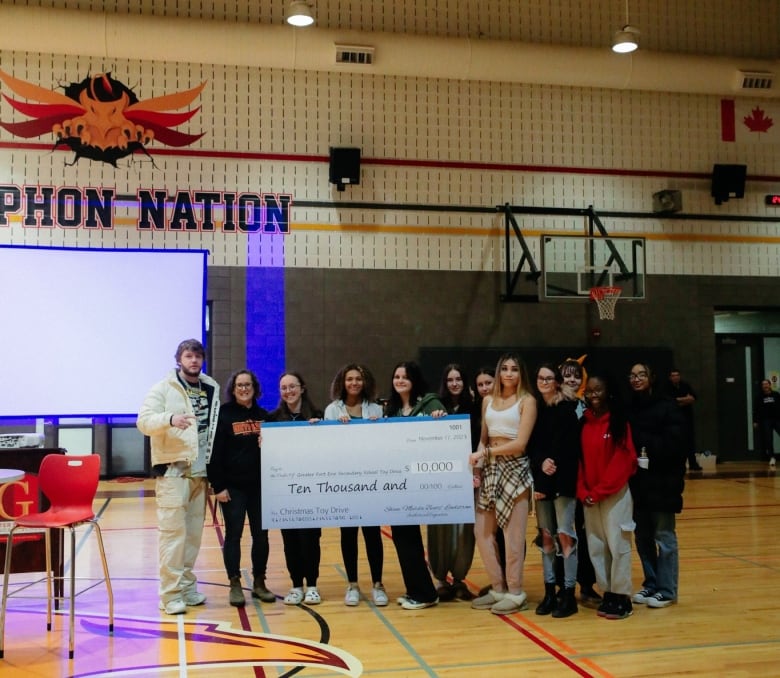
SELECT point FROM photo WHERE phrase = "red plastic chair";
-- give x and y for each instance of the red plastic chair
(70, 484)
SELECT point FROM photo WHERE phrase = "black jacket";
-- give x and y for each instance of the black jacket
(235, 461)
(658, 426)
(556, 436)
(766, 407)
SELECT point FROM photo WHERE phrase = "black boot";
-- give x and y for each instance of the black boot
(589, 597)
(549, 602)
(607, 604)
(236, 595)
(567, 604)
(622, 607)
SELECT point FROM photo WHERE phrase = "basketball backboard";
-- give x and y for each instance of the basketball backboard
(571, 265)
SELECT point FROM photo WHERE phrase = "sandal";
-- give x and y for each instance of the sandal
(294, 597)
(312, 596)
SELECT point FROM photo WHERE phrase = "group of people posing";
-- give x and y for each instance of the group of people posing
(594, 465)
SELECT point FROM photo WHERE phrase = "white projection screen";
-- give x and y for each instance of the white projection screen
(86, 332)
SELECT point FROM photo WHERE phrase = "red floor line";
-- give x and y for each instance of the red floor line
(246, 625)
(546, 647)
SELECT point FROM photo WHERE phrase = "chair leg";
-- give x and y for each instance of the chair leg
(49, 592)
(6, 575)
(49, 574)
(72, 611)
(109, 588)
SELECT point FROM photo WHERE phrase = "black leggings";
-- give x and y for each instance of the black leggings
(372, 536)
(408, 543)
(302, 555)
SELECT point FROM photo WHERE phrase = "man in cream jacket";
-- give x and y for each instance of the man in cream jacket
(179, 414)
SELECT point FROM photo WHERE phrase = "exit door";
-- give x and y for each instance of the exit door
(735, 358)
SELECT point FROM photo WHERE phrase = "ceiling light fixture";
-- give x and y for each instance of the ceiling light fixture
(626, 40)
(299, 14)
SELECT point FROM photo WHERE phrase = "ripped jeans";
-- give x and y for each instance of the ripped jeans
(555, 517)
(609, 525)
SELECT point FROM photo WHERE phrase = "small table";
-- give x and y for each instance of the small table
(8, 475)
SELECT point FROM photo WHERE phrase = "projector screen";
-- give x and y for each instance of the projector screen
(86, 332)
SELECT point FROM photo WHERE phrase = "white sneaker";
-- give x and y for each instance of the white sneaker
(294, 597)
(641, 597)
(175, 606)
(660, 600)
(772, 462)
(312, 596)
(411, 604)
(193, 598)
(352, 596)
(379, 595)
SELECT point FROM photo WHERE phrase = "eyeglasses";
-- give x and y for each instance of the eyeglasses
(289, 389)
(546, 380)
(590, 394)
(638, 376)
(244, 386)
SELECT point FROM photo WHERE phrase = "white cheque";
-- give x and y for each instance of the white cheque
(404, 471)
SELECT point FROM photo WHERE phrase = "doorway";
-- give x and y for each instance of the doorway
(747, 351)
(735, 357)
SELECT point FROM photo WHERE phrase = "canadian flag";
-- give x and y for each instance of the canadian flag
(749, 123)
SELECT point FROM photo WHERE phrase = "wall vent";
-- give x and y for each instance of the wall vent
(755, 80)
(354, 54)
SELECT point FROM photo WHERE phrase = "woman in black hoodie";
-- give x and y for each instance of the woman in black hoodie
(555, 456)
(657, 486)
(234, 473)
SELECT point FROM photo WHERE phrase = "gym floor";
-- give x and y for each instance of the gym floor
(724, 624)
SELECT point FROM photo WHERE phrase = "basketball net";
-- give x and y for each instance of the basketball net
(606, 298)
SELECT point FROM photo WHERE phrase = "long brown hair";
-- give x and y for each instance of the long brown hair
(523, 387)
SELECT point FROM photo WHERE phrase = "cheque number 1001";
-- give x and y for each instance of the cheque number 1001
(433, 467)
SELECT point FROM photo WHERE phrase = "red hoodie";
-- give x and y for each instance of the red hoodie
(604, 467)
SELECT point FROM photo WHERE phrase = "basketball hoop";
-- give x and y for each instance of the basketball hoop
(605, 298)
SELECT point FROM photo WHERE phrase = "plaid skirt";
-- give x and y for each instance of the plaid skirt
(504, 479)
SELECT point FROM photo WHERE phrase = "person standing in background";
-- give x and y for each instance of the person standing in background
(409, 398)
(354, 397)
(301, 546)
(234, 474)
(451, 547)
(766, 418)
(682, 392)
(179, 414)
(657, 487)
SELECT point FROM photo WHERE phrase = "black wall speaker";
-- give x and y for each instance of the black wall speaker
(667, 201)
(728, 181)
(344, 166)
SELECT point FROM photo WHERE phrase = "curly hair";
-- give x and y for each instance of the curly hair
(338, 388)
